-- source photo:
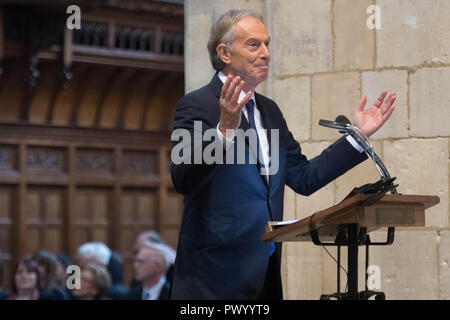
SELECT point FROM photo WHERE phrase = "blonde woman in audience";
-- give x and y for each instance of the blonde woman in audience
(95, 281)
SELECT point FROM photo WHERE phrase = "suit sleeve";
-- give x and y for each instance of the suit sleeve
(307, 176)
(189, 115)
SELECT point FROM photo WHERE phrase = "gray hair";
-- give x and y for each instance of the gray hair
(98, 250)
(167, 252)
(152, 236)
(223, 32)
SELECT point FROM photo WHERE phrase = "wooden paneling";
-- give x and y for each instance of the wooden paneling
(12, 91)
(110, 106)
(139, 212)
(41, 100)
(172, 218)
(9, 162)
(136, 103)
(87, 109)
(91, 219)
(85, 159)
(58, 193)
(97, 97)
(6, 220)
(62, 106)
(44, 218)
(158, 103)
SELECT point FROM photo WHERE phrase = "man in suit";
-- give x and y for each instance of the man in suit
(150, 268)
(226, 206)
(152, 237)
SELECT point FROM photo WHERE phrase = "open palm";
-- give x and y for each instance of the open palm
(371, 119)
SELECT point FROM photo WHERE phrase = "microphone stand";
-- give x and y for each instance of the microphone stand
(349, 235)
(368, 148)
(366, 145)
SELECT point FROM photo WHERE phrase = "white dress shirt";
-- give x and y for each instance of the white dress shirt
(262, 135)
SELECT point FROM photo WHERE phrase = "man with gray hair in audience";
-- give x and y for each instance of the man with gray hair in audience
(152, 237)
(150, 266)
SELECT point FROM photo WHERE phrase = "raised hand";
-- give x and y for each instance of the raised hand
(373, 118)
(230, 109)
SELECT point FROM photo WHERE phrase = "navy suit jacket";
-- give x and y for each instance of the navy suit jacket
(226, 206)
(135, 293)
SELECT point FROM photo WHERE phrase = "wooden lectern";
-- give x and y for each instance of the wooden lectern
(348, 224)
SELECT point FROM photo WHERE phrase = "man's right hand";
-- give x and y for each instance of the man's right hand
(230, 109)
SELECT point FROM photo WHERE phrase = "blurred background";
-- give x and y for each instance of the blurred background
(85, 120)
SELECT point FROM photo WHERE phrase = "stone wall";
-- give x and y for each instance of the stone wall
(323, 58)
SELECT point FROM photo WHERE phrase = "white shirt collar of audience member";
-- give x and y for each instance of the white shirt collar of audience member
(153, 293)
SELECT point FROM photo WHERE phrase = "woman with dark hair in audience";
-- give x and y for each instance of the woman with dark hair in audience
(61, 275)
(25, 283)
(47, 266)
(3, 294)
(94, 284)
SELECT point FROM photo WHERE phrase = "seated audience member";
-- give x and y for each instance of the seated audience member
(96, 252)
(150, 267)
(25, 282)
(115, 268)
(146, 236)
(3, 294)
(47, 266)
(61, 274)
(94, 283)
(100, 253)
(155, 238)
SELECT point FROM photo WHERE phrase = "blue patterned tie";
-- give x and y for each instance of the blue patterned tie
(251, 119)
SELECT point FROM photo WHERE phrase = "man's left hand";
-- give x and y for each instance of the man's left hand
(371, 119)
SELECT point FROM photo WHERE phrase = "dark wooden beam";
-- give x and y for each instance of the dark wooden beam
(82, 86)
(139, 139)
(127, 91)
(152, 87)
(108, 84)
(162, 88)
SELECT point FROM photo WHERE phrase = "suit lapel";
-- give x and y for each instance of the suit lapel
(216, 85)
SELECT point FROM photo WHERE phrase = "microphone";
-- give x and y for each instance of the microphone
(342, 120)
(344, 126)
(341, 126)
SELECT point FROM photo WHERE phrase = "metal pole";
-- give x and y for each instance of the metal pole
(339, 270)
(353, 261)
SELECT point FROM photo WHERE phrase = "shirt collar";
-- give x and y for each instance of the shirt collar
(156, 289)
(223, 78)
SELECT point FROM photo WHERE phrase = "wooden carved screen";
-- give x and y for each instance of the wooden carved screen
(58, 193)
(84, 142)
